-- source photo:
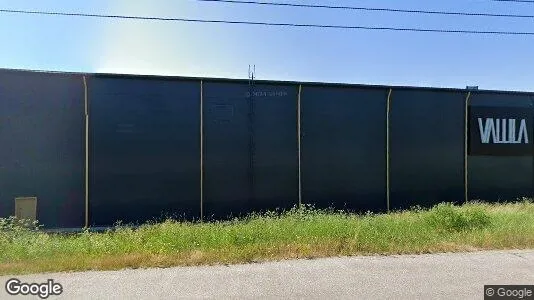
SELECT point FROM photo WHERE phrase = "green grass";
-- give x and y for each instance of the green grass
(299, 233)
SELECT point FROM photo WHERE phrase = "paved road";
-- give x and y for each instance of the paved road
(440, 276)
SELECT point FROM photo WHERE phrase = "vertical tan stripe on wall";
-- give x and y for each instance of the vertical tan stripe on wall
(201, 150)
(388, 107)
(298, 146)
(86, 115)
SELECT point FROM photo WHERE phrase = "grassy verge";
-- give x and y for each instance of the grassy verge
(299, 233)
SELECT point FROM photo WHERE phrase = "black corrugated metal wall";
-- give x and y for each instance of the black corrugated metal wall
(42, 145)
(211, 149)
(343, 132)
(250, 148)
(144, 150)
(427, 147)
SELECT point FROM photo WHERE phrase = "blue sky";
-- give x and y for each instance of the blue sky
(300, 54)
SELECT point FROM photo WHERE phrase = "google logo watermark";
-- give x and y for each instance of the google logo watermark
(43, 290)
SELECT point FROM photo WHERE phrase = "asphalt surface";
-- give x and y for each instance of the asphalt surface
(436, 276)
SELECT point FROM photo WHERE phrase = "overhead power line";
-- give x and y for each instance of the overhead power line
(519, 1)
(432, 30)
(374, 9)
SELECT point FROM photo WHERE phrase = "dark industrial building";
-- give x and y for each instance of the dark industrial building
(82, 150)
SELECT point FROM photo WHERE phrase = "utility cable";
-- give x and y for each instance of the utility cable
(349, 27)
(394, 10)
